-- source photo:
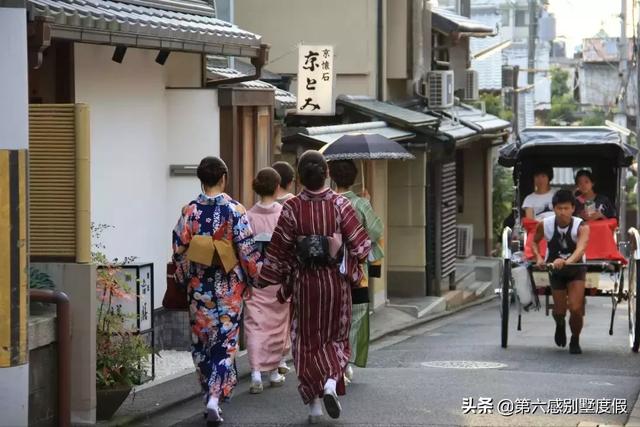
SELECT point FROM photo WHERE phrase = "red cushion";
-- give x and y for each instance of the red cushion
(601, 246)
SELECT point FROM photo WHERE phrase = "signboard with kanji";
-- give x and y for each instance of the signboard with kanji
(316, 79)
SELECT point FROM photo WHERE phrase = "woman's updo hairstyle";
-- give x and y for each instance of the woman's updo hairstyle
(266, 182)
(211, 170)
(312, 170)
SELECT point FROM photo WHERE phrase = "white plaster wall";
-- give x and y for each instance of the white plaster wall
(190, 137)
(135, 134)
(13, 79)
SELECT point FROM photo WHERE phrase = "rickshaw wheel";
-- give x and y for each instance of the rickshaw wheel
(504, 302)
(634, 307)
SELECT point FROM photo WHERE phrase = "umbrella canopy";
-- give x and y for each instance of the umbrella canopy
(365, 147)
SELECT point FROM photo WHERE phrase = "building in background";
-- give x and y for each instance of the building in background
(599, 83)
(511, 20)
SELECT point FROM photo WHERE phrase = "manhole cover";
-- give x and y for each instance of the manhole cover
(463, 364)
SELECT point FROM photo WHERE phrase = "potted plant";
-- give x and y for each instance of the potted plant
(121, 353)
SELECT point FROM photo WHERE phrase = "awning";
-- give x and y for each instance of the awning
(476, 119)
(284, 100)
(460, 122)
(394, 114)
(317, 137)
(125, 24)
(450, 22)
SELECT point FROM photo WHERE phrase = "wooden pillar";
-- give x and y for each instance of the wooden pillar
(246, 128)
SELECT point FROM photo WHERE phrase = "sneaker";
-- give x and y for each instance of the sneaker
(255, 388)
(331, 404)
(561, 334)
(574, 346)
(276, 379)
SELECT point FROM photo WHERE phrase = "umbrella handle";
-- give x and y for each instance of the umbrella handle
(363, 174)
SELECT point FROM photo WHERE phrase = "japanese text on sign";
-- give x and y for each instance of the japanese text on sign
(315, 80)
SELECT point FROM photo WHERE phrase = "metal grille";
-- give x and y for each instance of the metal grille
(52, 180)
(448, 209)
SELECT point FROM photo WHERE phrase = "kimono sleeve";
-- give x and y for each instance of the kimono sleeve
(353, 233)
(279, 260)
(181, 237)
(246, 247)
(374, 227)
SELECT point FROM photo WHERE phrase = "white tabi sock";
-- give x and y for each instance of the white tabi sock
(315, 407)
(256, 376)
(330, 386)
(212, 403)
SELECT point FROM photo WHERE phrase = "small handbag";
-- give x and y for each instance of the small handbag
(175, 297)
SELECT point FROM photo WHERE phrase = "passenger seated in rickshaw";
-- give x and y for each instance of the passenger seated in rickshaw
(591, 206)
(567, 238)
(537, 205)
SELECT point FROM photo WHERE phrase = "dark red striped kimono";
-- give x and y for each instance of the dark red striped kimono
(321, 297)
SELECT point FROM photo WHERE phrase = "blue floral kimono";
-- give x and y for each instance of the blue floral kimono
(215, 297)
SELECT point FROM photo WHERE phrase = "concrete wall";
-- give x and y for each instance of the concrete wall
(78, 281)
(473, 203)
(139, 128)
(43, 359)
(286, 23)
(380, 203)
(406, 247)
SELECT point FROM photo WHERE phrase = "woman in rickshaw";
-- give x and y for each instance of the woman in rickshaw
(567, 238)
(537, 205)
(591, 206)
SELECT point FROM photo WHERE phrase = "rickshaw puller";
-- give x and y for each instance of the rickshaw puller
(567, 238)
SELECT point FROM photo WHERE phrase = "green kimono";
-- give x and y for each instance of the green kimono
(359, 335)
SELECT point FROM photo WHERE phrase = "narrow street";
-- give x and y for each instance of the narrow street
(399, 389)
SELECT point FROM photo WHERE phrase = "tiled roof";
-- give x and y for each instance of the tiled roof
(119, 23)
(283, 98)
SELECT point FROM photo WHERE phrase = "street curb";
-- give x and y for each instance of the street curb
(634, 416)
(126, 420)
(427, 319)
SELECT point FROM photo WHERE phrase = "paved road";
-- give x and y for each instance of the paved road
(398, 389)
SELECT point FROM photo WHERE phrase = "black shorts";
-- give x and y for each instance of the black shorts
(560, 279)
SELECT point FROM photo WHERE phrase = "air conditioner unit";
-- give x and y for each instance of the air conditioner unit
(439, 89)
(471, 92)
(464, 240)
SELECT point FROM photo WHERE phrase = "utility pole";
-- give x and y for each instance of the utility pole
(620, 117)
(14, 142)
(531, 50)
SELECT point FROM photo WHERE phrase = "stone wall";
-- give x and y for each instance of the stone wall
(171, 330)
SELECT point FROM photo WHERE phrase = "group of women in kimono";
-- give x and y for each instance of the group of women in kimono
(298, 280)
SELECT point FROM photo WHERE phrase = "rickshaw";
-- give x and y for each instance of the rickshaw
(612, 256)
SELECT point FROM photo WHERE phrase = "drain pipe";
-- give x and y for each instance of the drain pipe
(258, 62)
(63, 329)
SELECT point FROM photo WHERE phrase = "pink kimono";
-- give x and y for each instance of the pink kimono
(266, 321)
